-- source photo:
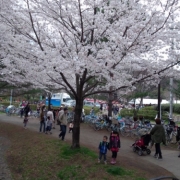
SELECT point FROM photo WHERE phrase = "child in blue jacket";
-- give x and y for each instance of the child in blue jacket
(103, 147)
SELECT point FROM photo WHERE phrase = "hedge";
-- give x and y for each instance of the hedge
(146, 112)
(176, 108)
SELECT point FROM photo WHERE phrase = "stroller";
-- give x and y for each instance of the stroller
(140, 146)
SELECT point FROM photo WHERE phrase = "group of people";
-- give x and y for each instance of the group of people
(113, 145)
(49, 118)
(157, 137)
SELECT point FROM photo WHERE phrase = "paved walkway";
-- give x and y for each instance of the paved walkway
(91, 138)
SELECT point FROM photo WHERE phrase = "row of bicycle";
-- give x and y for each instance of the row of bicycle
(128, 127)
(13, 110)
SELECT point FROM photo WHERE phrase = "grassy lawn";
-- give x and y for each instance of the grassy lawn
(35, 156)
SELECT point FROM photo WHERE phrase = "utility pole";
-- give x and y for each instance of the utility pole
(159, 100)
(171, 99)
(11, 97)
(171, 79)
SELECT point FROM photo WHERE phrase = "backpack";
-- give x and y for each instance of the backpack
(101, 143)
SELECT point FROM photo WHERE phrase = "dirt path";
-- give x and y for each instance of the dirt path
(146, 164)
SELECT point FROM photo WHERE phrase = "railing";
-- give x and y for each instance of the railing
(165, 178)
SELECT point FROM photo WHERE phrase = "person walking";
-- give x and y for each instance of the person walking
(178, 139)
(179, 149)
(158, 136)
(103, 147)
(42, 119)
(27, 109)
(114, 145)
(25, 122)
(63, 121)
(60, 112)
(22, 112)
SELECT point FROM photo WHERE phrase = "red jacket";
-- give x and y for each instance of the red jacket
(114, 143)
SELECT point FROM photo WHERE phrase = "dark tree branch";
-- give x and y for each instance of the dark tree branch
(67, 83)
(32, 23)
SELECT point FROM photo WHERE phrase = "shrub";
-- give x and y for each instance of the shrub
(176, 108)
(146, 113)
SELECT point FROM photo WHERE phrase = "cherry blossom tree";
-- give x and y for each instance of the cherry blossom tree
(88, 46)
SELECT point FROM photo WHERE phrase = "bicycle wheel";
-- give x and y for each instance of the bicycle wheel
(148, 151)
(133, 134)
(123, 132)
(168, 139)
(140, 152)
(127, 131)
(173, 138)
(110, 128)
(97, 127)
(134, 149)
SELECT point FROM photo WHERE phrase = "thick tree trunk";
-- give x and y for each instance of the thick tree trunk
(49, 101)
(111, 97)
(76, 128)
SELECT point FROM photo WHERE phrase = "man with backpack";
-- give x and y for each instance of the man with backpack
(63, 121)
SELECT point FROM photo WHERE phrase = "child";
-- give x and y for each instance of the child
(25, 121)
(114, 145)
(103, 146)
(70, 126)
(48, 125)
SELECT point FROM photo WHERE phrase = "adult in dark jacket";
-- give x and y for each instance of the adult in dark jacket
(42, 119)
(158, 136)
(27, 110)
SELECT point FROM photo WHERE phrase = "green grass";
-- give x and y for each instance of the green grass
(67, 152)
(35, 156)
(71, 172)
(114, 170)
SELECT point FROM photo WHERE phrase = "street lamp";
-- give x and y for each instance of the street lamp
(11, 97)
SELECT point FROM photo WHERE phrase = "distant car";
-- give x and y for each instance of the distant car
(87, 103)
(97, 105)
(70, 103)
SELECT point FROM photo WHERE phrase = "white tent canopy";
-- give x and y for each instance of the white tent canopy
(148, 101)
